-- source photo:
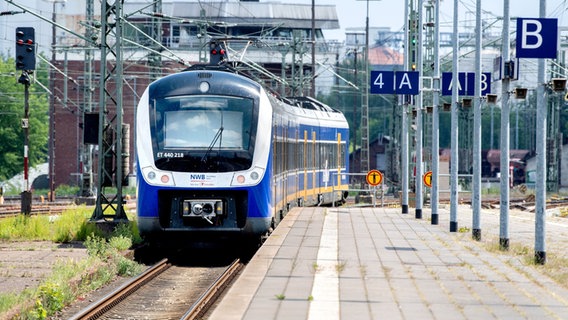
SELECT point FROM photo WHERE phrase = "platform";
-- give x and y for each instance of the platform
(377, 263)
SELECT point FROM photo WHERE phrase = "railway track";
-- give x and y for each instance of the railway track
(10, 211)
(164, 291)
(526, 203)
(12, 207)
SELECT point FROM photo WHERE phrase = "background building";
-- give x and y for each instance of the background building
(274, 36)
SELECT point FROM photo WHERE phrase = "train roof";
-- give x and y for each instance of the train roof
(302, 102)
(310, 103)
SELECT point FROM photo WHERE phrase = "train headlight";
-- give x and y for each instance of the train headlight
(250, 178)
(204, 86)
(151, 176)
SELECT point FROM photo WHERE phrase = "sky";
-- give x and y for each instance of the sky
(390, 13)
(351, 13)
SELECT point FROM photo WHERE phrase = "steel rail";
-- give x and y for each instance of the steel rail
(98, 308)
(206, 300)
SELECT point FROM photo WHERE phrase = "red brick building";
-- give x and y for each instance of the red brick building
(68, 112)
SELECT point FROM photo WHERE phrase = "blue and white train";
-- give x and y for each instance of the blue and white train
(217, 154)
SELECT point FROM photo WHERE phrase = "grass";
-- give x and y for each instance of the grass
(71, 225)
(556, 266)
(315, 267)
(63, 191)
(69, 279)
(340, 266)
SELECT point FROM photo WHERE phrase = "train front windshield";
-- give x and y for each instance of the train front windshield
(203, 133)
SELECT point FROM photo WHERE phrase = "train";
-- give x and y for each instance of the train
(219, 154)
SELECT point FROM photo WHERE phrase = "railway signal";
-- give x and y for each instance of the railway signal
(217, 53)
(25, 48)
(25, 61)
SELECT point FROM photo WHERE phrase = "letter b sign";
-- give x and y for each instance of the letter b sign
(537, 38)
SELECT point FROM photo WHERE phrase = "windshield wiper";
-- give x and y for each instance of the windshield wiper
(215, 138)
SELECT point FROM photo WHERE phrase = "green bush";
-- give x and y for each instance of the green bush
(96, 246)
(127, 267)
(52, 296)
(120, 243)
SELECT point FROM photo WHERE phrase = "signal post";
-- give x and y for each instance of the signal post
(25, 61)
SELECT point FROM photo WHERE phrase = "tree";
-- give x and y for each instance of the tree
(11, 114)
(348, 100)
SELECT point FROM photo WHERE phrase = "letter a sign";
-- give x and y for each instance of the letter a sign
(537, 38)
(400, 82)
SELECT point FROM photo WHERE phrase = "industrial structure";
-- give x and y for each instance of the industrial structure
(162, 37)
(156, 40)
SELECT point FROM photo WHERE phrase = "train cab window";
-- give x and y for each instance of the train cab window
(226, 123)
(193, 129)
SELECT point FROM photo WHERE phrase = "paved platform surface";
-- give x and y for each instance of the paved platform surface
(24, 264)
(377, 263)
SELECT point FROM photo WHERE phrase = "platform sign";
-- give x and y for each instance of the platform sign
(428, 179)
(382, 82)
(374, 177)
(407, 82)
(505, 70)
(390, 82)
(447, 83)
(466, 83)
(537, 38)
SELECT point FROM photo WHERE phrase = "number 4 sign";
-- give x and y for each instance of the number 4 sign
(390, 82)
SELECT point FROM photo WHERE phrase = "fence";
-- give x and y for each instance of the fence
(355, 186)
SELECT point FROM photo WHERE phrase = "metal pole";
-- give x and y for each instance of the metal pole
(88, 92)
(419, 125)
(435, 117)
(110, 134)
(492, 126)
(26, 127)
(516, 126)
(26, 195)
(476, 199)
(541, 119)
(505, 112)
(404, 118)
(454, 126)
(313, 78)
(355, 103)
(51, 166)
(365, 104)
(283, 72)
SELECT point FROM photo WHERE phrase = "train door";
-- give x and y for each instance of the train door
(314, 167)
(296, 162)
(274, 166)
(304, 160)
(284, 159)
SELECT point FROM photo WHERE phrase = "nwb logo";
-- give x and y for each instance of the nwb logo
(197, 176)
